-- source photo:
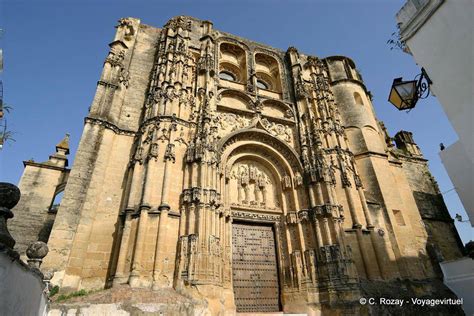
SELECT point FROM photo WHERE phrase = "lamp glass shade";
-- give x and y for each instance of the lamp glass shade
(403, 94)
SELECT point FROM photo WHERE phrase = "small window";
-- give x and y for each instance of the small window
(399, 217)
(262, 85)
(226, 76)
(358, 99)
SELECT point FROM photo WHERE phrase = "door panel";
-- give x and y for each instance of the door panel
(255, 272)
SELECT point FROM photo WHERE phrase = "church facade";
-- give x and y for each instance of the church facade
(253, 178)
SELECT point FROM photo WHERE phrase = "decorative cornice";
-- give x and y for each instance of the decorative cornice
(44, 165)
(405, 157)
(107, 84)
(255, 216)
(369, 153)
(117, 130)
(415, 21)
(166, 118)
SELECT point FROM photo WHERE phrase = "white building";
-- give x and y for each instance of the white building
(439, 35)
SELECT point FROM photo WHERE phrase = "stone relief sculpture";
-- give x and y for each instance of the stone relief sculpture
(279, 130)
(230, 122)
(254, 186)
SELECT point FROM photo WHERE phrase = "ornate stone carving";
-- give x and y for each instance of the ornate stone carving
(170, 153)
(357, 181)
(110, 126)
(303, 216)
(291, 218)
(179, 22)
(326, 210)
(269, 140)
(154, 150)
(206, 63)
(124, 77)
(302, 89)
(127, 26)
(387, 138)
(292, 49)
(298, 180)
(315, 62)
(229, 122)
(256, 216)
(115, 58)
(279, 130)
(286, 182)
(254, 186)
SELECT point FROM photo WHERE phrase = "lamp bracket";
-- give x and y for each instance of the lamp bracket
(423, 84)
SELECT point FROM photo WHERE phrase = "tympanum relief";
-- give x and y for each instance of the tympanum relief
(252, 185)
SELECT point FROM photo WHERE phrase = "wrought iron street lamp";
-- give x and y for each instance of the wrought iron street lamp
(405, 94)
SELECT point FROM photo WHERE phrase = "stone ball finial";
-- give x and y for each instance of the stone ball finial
(9, 195)
(36, 251)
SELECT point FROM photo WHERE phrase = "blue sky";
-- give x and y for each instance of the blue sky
(54, 51)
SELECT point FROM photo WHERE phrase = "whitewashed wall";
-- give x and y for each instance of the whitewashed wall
(439, 34)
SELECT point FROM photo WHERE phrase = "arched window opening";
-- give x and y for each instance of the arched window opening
(261, 84)
(268, 72)
(232, 63)
(358, 99)
(265, 81)
(227, 76)
(56, 202)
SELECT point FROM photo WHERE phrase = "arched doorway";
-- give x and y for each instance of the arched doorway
(260, 188)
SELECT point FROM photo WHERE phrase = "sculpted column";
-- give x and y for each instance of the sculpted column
(137, 262)
(137, 265)
(121, 275)
(158, 279)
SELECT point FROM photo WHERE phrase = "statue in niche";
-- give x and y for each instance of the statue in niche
(139, 155)
(286, 182)
(252, 173)
(256, 192)
(243, 181)
(298, 179)
(251, 185)
(261, 184)
(288, 134)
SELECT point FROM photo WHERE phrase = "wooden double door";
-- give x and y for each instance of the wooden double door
(255, 269)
